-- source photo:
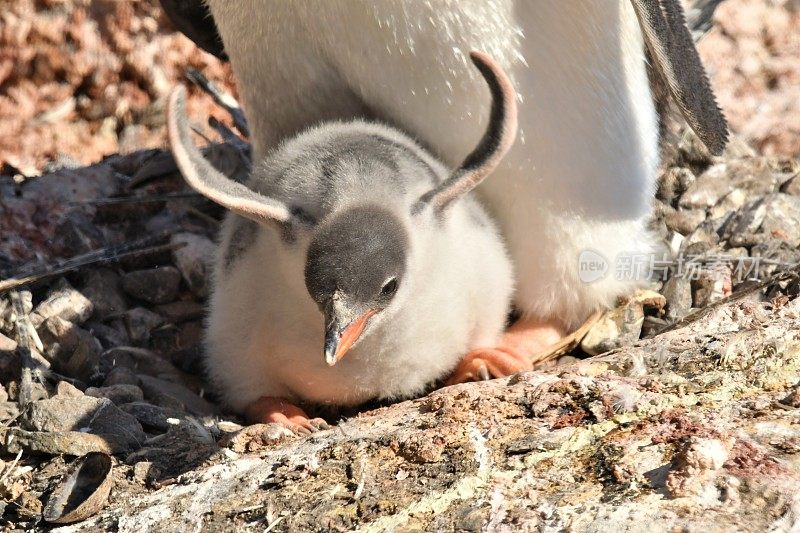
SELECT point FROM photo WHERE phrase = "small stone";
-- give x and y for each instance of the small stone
(141, 361)
(108, 335)
(121, 375)
(145, 472)
(255, 437)
(73, 351)
(782, 219)
(678, 292)
(152, 417)
(63, 302)
(68, 390)
(103, 286)
(685, 221)
(705, 233)
(155, 285)
(119, 394)
(77, 235)
(194, 260)
(181, 311)
(674, 183)
(8, 410)
(621, 325)
(712, 285)
(60, 442)
(731, 202)
(695, 465)
(745, 221)
(139, 322)
(98, 415)
(6, 344)
(752, 175)
(793, 399)
(3, 394)
(170, 338)
(175, 396)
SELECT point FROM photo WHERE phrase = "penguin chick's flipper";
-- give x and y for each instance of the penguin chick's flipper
(515, 353)
(269, 409)
(211, 183)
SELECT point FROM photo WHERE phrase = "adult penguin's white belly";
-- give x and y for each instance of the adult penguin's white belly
(578, 183)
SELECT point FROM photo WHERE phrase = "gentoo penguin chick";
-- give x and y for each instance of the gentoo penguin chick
(354, 265)
(579, 183)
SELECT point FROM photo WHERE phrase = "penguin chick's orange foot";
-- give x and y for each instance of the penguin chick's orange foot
(516, 352)
(269, 409)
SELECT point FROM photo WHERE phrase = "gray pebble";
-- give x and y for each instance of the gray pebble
(103, 287)
(154, 285)
(119, 394)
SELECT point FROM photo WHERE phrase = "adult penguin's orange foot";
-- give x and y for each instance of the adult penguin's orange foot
(519, 350)
(269, 409)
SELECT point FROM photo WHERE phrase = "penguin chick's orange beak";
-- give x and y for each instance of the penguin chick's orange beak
(338, 341)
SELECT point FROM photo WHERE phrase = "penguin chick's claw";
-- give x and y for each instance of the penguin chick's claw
(518, 351)
(487, 363)
(268, 409)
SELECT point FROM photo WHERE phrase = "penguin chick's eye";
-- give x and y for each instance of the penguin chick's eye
(389, 288)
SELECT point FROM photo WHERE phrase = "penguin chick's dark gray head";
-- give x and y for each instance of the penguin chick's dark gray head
(354, 267)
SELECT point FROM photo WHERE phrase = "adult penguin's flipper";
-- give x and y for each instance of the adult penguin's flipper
(193, 19)
(676, 59)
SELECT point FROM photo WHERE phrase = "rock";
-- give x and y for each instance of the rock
(97, 415)
(155, 285)
(674, 183)
(623, 324)
(77, 234)
(194, 260)
(63, 302)
(65, 186)
(72, 350)
(712, 285)
(139, 322)
(181, 311)
(685, 221)
(6, 344)
(145, 472)
(169, 339)
(119, 394)
(67, 390)
(678, 292)
(8, 410)
(770, 255)
(753, 177)
(695, 466)
(782, 218)
(706, 233)
(103, 286)
(3, 394)
(108, 335)
(61, 442)
(152, 417)
(141, 361)
(731, 202)
(745, 221)
(255, 437)
(175, 396)
(175, 452)
(793, 398)
(121, 375)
